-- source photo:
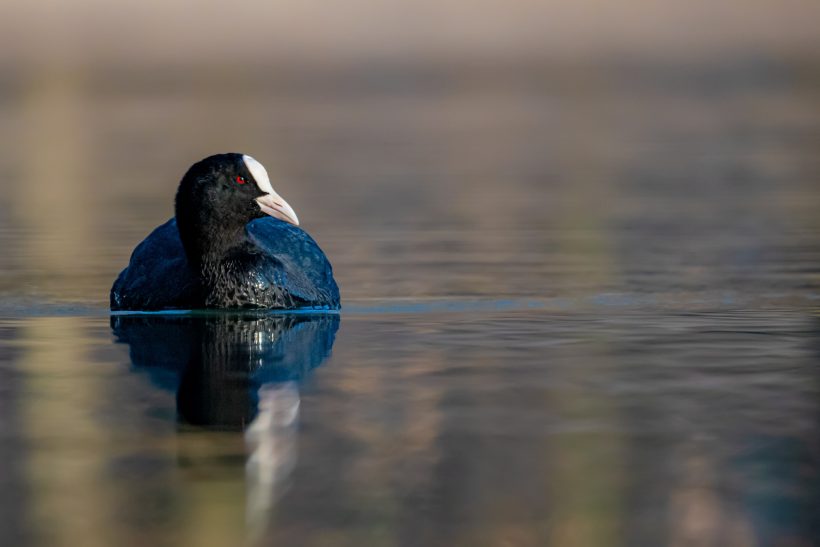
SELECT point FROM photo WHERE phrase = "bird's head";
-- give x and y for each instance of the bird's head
(219, 195)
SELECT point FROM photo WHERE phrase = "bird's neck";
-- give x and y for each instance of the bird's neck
(207, 243)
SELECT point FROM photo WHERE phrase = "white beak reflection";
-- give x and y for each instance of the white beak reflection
(271, 442)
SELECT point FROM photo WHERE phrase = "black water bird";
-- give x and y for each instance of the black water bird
(234, 243)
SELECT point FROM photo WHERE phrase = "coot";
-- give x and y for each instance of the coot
(234, 243)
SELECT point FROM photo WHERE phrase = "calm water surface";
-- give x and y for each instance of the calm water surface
(582, 307)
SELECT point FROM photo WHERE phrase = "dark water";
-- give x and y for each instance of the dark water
(581, 307)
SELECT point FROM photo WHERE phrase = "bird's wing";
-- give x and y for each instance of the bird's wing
(296, 263)
(157, 277)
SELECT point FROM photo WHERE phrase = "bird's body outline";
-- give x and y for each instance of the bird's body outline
(264, 261)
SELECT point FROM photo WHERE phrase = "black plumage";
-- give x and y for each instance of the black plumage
(227, 248)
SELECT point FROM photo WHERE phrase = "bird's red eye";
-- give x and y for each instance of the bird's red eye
(240, 180)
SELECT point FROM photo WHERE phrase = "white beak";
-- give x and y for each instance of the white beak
(272, 204)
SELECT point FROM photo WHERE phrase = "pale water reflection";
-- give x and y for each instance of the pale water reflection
(273, 450)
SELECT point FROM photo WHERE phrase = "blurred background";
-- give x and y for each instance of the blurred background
(513, 119)
(578, 245)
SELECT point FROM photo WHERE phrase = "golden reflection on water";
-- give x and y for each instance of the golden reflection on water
(70, 501)
(588, 499)
(80, 436)
(211, 495)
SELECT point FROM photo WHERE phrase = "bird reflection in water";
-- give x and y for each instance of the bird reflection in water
(236, 371)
